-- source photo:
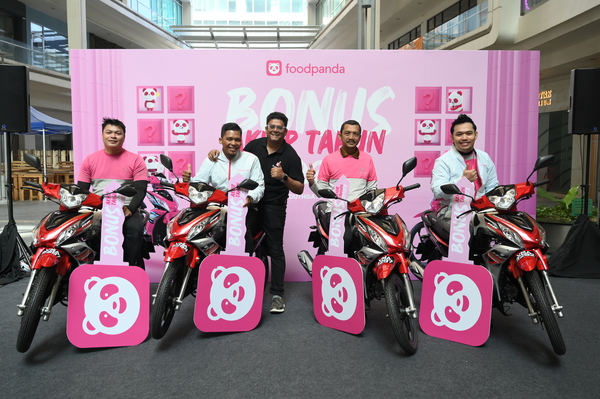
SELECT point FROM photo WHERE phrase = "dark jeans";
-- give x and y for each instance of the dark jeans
(133, 238)
(273, 221)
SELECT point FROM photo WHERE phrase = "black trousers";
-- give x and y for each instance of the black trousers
(272, 217)
(133, 239)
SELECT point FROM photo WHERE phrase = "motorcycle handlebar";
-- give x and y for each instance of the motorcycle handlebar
(32, 184)
(412, 187)
(541, 183)
(167, 184)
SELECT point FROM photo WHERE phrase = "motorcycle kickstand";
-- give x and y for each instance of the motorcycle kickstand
(21, 306)
(555, 306)
(532, 313)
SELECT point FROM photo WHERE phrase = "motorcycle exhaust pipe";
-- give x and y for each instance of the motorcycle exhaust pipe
(306, 261)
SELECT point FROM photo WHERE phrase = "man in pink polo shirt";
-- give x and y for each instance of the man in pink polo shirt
(114, 163)
(349, 161)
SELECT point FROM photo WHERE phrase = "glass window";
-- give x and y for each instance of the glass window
(285, 5)
(298, 6)
(222, 5)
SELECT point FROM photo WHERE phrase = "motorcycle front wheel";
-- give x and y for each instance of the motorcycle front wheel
(40, 291)
(163, 307)
(404, 325)
(542, 307)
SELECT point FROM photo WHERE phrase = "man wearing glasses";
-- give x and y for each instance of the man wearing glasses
(282, 169)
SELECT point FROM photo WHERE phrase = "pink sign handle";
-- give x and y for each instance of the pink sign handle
(111, 246)
(336, 225)
(458, 245)
(236, 218)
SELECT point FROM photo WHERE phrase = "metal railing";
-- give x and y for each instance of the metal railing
(22, 52)
(456, 27)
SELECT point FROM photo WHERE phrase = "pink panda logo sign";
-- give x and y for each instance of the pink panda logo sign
(230, 293)
(338, 293)
(456, 303)
(108, 306)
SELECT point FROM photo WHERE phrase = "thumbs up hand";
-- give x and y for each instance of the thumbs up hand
(187, 174)
(310, 174)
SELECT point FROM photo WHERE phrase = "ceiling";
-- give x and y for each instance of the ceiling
(247, 37)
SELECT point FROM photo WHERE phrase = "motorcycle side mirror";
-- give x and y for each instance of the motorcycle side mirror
(540, 163)
(127, 191)
(408, 166)
(166, 162)
(327, 193)
(33, 161)
(543, 162)
(451, 189)
(246, 184)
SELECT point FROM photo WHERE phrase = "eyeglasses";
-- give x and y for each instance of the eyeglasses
(276, 127)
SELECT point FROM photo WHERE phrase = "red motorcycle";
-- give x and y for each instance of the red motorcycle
(192, 235)
(61, 242)
(509, 243)
(380, 243)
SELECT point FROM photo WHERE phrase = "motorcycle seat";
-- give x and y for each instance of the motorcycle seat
(440, 229)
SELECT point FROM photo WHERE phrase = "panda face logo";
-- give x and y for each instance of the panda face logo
(232, 293)
(427, 127)
(457, 302)
(153, 164)
(150, 94)
(181, 126)
(455, 101)
(339, 293)
(274, 68)
(112, 305)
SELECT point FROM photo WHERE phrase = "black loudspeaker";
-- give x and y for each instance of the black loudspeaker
(14, 99)
(584, 115)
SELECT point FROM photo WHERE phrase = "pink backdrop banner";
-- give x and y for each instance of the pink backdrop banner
(175, 101)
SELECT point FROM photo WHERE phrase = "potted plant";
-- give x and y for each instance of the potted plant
(558, 219)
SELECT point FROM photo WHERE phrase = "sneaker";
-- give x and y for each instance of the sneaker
(277, 306)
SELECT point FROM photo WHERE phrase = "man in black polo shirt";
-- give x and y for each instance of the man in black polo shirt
(282, 169)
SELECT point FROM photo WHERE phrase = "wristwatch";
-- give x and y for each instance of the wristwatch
(285, 177)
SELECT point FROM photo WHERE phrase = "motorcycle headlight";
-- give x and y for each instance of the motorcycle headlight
(511, 235)
(69, 200)
(198, 197)
(407, 238)
(169, 236)
(505, 201)
(377, 238)
(197, 229)
(373, 207)
(68, 233)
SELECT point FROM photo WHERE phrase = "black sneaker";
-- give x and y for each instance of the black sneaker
(277, 306)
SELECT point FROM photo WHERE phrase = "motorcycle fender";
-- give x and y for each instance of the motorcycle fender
(176, 250)
(49, 257)
(385, 265)
(526, 260)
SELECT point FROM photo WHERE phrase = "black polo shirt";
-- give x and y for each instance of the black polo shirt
(290, 162)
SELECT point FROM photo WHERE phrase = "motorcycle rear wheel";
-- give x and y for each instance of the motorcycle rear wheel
(163, 308)
(542, 306)
(40, 291)
(404, 325)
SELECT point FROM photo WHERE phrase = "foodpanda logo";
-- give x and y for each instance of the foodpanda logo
(274, 68)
